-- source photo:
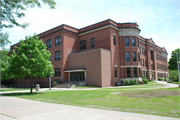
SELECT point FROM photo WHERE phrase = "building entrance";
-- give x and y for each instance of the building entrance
(77, 76)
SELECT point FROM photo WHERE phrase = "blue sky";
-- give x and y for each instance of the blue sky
(157, 19)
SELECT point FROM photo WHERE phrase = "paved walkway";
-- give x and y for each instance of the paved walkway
(12, 108)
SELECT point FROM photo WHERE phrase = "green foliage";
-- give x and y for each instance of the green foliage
(31, 60)
(54, 83)
(134, 82)
(13, 9)
(173, 60)
(126, 82)
(5, 59)
(160, 79)
(173, 75)
(145, 81)
(169, 81)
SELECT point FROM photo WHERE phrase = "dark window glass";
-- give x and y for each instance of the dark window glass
(143, 62)
(57, 55)
(57, 72)
(134, 56)
(135, 72)
(83, 45)
(48, 43)
(133, 42)
(114, 39)
(152, 55)
(127, 57)
(128, 71)
(58, 41)
(126, 41)
(138, 42)
(139, 56)
(145, 51)
(142, 51)
(115, 72)
(92, 42)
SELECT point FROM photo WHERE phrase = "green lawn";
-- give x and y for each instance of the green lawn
(164, 101)
(175, 82)
(13, 89)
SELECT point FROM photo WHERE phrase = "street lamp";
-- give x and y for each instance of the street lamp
(165, 73)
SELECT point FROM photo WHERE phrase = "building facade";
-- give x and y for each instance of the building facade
(102, 54)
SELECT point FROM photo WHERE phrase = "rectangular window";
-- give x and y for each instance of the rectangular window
(139, 56)
(135, 72)
(115, 72)
(139, 72)
(92, 42)
(138, 42)
(128, 71)
(57, 55)
(48, 43)
(133, 42)
(142, 51)
(114, 39)
(127, 41)
(143, 62)
(134, 56)
(58, 41)
(127, 57)
(145, 51)
(57, 72)
(152, 55)
(83, 45)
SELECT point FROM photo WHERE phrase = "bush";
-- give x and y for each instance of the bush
(136, 82)
(173, 75)
(145, 81)
(160, 79)
(169, 81)
(54, 83)
(126, 82)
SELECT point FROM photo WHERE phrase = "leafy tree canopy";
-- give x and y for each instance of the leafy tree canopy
(173, 60)
(31, 60)
(13, 9)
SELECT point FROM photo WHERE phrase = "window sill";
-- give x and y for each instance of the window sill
(57, 76)
(127, 46)
(57, 46)
(57, 60)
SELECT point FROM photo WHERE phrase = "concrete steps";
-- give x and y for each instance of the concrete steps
(69, 85)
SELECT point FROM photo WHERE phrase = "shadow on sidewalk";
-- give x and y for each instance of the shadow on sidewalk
(21, 94)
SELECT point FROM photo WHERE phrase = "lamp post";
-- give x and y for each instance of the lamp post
(178, 65)
(165, 73)
(50, 83)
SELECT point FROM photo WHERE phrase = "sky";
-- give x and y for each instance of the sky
(157, 19)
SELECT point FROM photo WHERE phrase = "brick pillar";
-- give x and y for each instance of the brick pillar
(155, 76)
(149, 75)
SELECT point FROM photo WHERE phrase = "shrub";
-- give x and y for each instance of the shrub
(169, 81)
(145, 81)
(126, 82)
(160, 79)
(173, 75)
(136, 82)
(131, 82)
(54, 83)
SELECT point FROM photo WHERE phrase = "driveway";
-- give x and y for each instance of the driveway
(12, 108)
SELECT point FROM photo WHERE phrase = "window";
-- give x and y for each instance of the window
(139, 56)
(128, 71)
(57, 55)
(145, 51)
(152, 55)
(143, 62)
(134, 56)
(138, 42)
(115, 72)
(142, 51)
(58, 41)
(57, 72)
(48, 43)
(135, 72)
(126, 42)
(58, 81)
(133, 42)
(114, 39)
(92, 42)
(139, 72)
(127, 57)
(83, 45)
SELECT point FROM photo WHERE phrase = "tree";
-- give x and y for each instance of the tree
(13, 9)
(173, 60)
(173, 75)
(31, 60)
(5, 59)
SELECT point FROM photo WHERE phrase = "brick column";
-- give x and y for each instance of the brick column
(149, 75)
(155, 76)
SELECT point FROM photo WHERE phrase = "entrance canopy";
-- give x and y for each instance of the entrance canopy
(75, 70)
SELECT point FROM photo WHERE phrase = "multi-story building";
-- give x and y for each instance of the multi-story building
(102, 54)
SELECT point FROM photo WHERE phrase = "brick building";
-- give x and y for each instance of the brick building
(102, 54)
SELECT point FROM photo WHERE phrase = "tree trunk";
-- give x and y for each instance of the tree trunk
(31, 86)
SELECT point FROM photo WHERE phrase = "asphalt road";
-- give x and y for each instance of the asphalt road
(12, 108)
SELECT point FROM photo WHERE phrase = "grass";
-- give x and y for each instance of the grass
(164, 101)
(13, 89)
(175, 82)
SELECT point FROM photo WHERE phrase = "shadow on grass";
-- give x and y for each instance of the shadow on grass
(21, 94)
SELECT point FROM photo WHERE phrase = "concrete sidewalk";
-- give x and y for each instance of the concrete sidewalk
(12, 108)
